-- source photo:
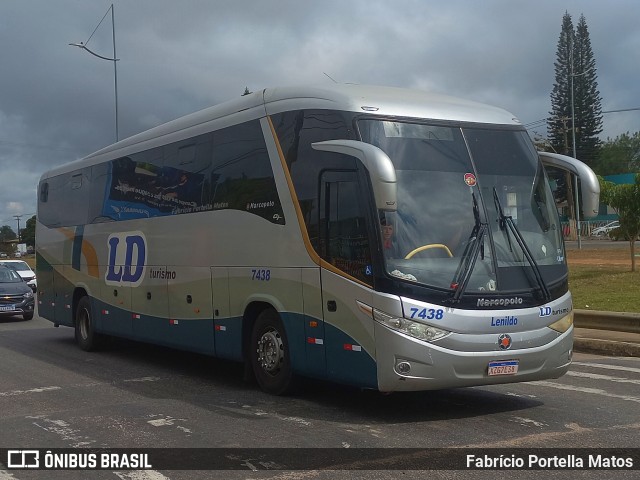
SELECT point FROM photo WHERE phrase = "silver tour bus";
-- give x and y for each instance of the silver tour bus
(384, 238)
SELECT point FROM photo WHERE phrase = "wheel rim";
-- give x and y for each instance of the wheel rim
(270, 351)
(83, 323)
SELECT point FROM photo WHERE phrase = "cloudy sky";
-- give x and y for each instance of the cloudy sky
(57, 101)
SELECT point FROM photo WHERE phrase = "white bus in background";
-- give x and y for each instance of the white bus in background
(384, 238)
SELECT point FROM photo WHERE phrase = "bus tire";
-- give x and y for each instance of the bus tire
(86, 336)
(269, 354)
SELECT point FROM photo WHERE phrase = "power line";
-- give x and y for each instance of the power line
(542, 121)
(6, 220)
(98, 26)
(622, 110)
(31, 145)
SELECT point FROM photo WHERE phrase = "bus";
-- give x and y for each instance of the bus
(384, 238)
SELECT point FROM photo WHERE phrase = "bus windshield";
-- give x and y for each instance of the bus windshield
(474, 205)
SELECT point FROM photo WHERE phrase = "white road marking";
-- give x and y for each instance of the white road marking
(164, 420)
(524, 421)
(595, 376)
(520, 395)
(168, 421)
(161, 422)
(81, 385)
(594, 391)
(608, 367)
(140, 475)
(262, 413)
(63, 430)
(4, 475)
(32, 390)
(143, 379)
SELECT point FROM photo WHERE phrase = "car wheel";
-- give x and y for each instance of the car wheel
(86, 336)
(269, 354)
(27, 316)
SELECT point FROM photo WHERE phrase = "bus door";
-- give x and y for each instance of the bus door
(344, 245)
(114, 309)
(190, 310)
(149, 307)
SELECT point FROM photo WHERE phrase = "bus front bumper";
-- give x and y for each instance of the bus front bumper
(407, 364)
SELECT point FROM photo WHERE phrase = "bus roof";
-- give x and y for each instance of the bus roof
(388, 101)
(374, 100)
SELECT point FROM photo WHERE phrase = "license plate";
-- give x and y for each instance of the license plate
(505, 367)
(7, 308)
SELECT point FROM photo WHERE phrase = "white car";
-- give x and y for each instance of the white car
(605, 229)
(24, 270)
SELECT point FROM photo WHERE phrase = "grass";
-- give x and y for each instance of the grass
(611, 288)
(600, 278)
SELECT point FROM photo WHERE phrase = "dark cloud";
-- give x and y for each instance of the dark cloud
(57, 102)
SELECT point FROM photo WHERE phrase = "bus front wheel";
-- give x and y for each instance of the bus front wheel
(269, 354)
(86, 337)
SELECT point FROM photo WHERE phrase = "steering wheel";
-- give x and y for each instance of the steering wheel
(427, 247)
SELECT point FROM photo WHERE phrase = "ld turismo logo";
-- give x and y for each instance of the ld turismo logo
(127, 259)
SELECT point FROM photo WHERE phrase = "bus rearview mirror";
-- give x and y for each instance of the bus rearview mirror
(590, 187)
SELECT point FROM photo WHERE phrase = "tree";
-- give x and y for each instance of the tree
(575, 79)
(560, 113)
(625, 200)
(7, 233)
(620, 155)
(28, 233)
(588, 107)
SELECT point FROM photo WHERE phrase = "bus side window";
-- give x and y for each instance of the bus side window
(44, 192)
(343, 239)
(296, 131)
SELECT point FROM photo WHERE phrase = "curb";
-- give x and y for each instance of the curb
(612, 321)
(600, 333)
(605, 347)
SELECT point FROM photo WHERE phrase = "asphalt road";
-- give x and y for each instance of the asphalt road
(54, 395)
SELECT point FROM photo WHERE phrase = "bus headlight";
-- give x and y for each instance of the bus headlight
(417, 330)
(563, 324)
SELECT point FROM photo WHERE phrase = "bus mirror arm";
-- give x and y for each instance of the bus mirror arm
(377, 163)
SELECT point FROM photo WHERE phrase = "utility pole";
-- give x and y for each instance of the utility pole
(18, 217)
(565, 129)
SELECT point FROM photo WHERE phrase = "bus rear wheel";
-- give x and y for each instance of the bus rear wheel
(86, 336)
(269, 354)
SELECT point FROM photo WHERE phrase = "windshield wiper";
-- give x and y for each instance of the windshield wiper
(507, 224)
(474, 247)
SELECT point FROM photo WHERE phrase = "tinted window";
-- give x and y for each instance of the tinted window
(135, 189)
(240, 176)
(226, 169)
(64, 199)
(296, 132)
